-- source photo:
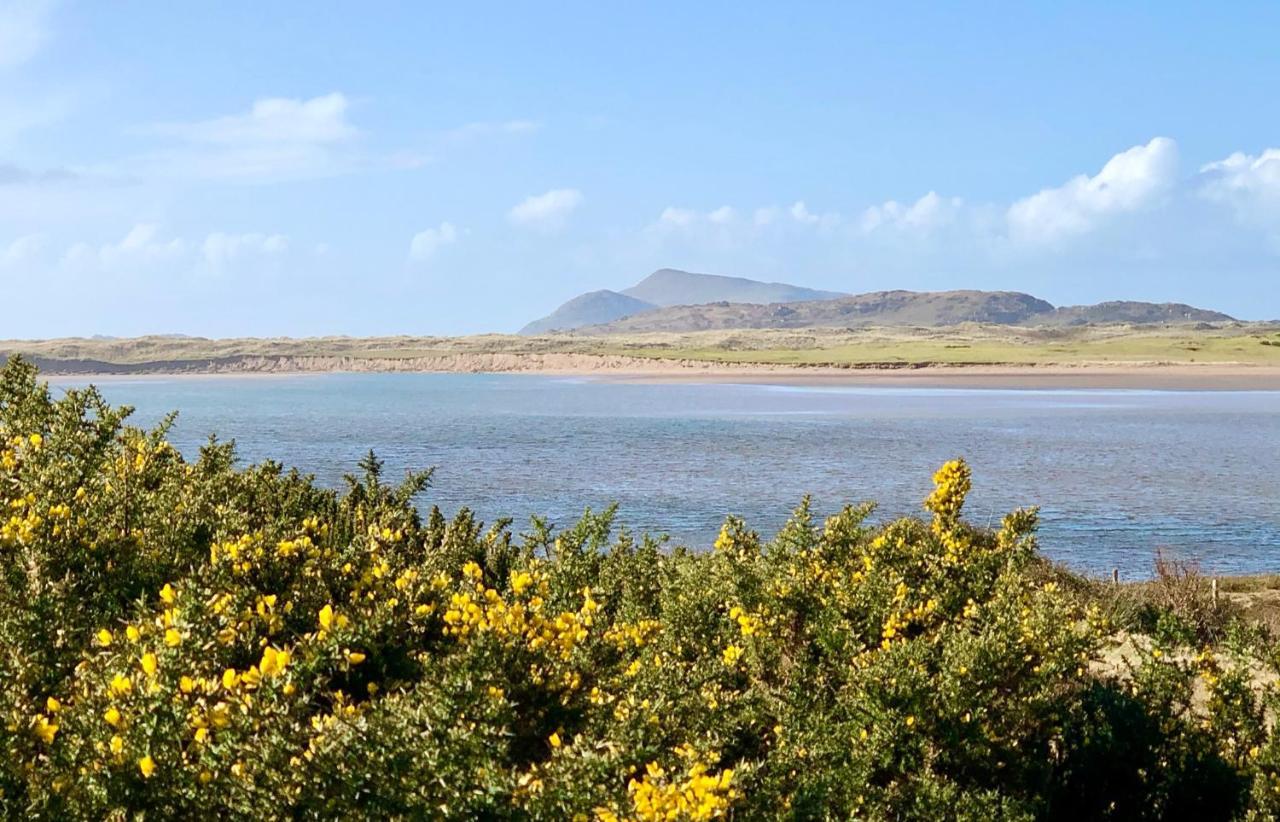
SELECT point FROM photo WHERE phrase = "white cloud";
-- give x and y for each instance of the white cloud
(672, 217)
(22, 251)
(765, 216)
(427, 242)
(221, 248)
(928, 212)
(271, 120)
(801, 214)
(146, 245)
(277, 139)
(1249, 184)
(722, 215)
(142, 245)
(24, 29)
(1130, 181)
(549, 211)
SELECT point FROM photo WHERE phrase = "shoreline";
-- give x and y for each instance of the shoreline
(1116, 376)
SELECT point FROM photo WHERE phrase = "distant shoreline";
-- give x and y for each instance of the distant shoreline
(1176, 357)
(1154, 376)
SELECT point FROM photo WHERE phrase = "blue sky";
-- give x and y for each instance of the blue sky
(376, 168)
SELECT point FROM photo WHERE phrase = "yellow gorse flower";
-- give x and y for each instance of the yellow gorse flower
(44, 728)
(274, 661)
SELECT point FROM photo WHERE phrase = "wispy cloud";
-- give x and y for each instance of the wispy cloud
(480, 129)
(271, 120)
(11, 175)
(546, 212)
(24, 30)
(22, 251)
(276, 139)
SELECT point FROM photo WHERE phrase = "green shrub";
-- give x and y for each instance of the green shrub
(190, 638)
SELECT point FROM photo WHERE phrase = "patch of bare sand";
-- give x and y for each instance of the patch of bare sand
(1123, 653)
(1154, 376)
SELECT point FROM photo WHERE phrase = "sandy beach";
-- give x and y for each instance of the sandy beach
(1152, 376)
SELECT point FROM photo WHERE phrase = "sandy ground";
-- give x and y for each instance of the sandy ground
(1153, 376)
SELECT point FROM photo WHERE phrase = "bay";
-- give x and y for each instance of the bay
(1117, 474)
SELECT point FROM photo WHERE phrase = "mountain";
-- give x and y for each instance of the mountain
(1132, 313)
(905, 308)
(668, 286)
(901, 308)
(677, 301)
(592, 308)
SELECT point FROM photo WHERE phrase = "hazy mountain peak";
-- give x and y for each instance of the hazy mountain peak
(592, 308)
(671, 286)
(668, 287)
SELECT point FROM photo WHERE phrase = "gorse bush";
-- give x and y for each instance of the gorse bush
(192, 639)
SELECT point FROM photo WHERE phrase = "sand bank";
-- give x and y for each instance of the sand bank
(1153, 376)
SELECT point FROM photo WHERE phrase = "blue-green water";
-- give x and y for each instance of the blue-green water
(1118, 474)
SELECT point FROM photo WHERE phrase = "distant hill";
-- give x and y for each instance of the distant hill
(592, 308)
(1132, 313)
(668, 287)
(899, 308)
(905, 308)
(678, 301)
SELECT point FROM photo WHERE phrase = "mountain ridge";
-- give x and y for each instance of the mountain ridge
(670, 300)
(664, 288)
(932, 309)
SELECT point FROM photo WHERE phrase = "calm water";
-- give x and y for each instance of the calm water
(1118, 474)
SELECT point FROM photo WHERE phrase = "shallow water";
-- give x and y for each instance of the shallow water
(1118, 474)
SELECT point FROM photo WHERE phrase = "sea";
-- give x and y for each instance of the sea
(1118, 475)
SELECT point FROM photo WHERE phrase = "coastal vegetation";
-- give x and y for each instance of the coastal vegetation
(188, 637)
(875, 348)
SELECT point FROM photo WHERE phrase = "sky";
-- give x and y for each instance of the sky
(290, 168)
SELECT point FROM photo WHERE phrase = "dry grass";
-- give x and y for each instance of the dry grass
(1250, 344)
